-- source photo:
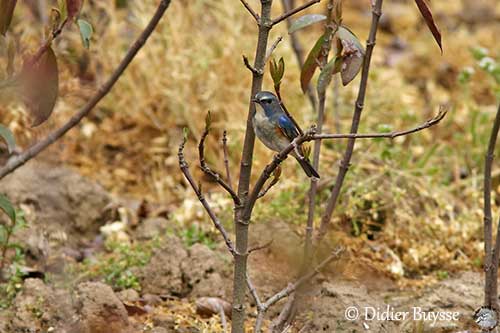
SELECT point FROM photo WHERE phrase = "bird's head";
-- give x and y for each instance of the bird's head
(268, 101)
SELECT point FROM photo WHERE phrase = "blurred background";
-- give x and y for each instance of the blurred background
(410, 213)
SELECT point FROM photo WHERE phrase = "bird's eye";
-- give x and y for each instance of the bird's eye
(267, 101)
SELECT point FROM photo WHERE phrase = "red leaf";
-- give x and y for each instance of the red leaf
(311, 63)
(6, 12)
(73, 7)
(40, 86)
(429, 20)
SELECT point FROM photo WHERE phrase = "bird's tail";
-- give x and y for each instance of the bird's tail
(307, 167)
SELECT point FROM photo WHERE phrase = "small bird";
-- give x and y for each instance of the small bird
(276, 130)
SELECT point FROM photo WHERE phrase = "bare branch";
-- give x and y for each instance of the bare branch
(293, 12)
(273, 182)
(491, 255)
(251, 11)
(255, 71)
(292, 287)
(218, 225)
(206, 169)
(272, 48)
(253, 292)
(226, 159)
(344, 164)
(260, 247)
(34, 150)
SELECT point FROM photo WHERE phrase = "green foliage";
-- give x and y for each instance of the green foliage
(8, 137)
(116, 267)
(193, 234)
(86, 32)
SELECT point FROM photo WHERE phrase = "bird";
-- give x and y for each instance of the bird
(276, 130)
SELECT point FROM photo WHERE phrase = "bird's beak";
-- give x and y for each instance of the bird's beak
(255, 100)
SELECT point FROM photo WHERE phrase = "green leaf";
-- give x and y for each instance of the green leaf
(277, 70)
(306, 21)
(40, 86)
(63, 9)
(429, 20)
(6, 12)
(311, 63)
(7, 136)
(7, 208)
(325, 77)
(86, 32)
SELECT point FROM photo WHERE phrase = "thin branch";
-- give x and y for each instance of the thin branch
(206, 169)
(293, 12)
(491, 256)
(255, 71)
(311, 135)
(251, 11)
(292, 287)
(298, 51)
(34, 150)
(273, 182)
(255, 295)
(346, 160)
(260, 247)
(218, 225)
(226, 159)
(272, 48)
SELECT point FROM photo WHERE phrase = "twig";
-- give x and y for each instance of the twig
(255, 295)
(218, 225)
(226, 159)
(344, 164)
(273, 182)
(298, 51)
(260, 247)
(272, 48)
(251, 11)
(291, 288)
(491, 256)
(206, 169)
(255, 71)
(34, 150)
(293, 12)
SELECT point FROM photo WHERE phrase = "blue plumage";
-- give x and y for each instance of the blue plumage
(276, 130)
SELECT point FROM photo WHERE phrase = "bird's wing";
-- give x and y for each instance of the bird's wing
(287, 127)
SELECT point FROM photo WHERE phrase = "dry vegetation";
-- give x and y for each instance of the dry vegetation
(413, 215)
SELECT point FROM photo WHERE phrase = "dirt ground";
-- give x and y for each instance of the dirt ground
(176, 276)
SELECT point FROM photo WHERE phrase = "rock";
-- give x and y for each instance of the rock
(203, 272)
(164, 320)
(163, 274)
(128, 295)
(151, 227)
(100, 310)
(38, 307)
(58, 201)
(159, 330)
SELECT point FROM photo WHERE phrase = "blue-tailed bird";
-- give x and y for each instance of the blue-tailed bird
(276, 130)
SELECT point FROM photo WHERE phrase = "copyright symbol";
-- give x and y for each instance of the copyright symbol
(351, 313)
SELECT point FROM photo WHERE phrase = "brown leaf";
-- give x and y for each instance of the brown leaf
(311, 63)
(73, 7)
(429, 20)
(40, 86)
(209, 306)
(352, 55)
(6, 13)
